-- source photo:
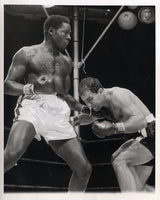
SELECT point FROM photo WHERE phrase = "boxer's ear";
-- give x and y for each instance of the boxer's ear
(51, 30)
(100, 90)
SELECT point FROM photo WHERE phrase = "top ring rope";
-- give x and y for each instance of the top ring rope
(102, 34)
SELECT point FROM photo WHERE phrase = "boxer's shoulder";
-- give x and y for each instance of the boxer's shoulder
(26, 51)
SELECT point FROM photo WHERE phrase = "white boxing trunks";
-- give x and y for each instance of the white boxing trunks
(49, 115)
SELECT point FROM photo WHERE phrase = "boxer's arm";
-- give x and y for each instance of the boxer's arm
(72, 103)
(16, 72)
(135, 123)
(128, 108)
(63, 93)
(75, 105)
(62, 87)
(104, 128)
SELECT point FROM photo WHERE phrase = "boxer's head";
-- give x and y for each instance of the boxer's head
(91, 92)
(57, 29)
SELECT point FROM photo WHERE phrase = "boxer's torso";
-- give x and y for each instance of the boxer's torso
(43, 68)
(125, 104)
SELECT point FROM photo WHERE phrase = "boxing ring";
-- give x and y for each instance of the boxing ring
(51, 173)
(56, 171)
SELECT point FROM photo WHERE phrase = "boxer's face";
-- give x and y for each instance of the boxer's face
(62, 36)
(92, 100)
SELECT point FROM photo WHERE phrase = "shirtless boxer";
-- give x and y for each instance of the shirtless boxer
(40, 109)
(130, 161)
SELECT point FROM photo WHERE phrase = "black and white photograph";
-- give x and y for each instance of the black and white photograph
(79, 90)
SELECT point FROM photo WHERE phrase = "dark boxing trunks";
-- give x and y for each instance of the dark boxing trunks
(149, 141)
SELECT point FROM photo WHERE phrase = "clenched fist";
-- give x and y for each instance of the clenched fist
(102, 129)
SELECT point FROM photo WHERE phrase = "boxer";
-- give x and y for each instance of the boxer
(43, 106)
(132, 161)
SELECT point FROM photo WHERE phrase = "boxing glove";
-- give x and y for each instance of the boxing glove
(102, 129)
(98, 114)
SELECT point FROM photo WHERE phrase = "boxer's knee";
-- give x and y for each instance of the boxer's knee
(84, 170)
(12, 154)
(119, 160)
(10, 158)
(114, 155)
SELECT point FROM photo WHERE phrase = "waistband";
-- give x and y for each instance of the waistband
(36, 96)
(149, 118)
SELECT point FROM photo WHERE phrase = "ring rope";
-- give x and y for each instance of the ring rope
(45, 11)
(84, 66)
(103, 140)
(56, 188)
(42, 161)
(59, 163)
(91, 141)
(34, 186)
(102, 34)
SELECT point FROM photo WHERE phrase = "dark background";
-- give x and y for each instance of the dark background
(124, 58)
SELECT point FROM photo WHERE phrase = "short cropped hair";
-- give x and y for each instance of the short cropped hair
(89, 83)
(55, 21)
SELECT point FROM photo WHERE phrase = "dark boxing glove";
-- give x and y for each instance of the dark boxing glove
(103, 113)
(102, 129)
(98, 129)
(89, 111)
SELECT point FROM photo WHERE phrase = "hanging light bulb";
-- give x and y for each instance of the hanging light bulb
(127, 20)
(146, 15)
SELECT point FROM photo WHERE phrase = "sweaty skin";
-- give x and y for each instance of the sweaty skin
(128, 108)
(42, 65)
(131, 115)
(124, 105)
(37, 65)
(45, 67)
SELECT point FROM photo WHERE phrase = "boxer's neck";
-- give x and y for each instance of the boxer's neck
(50, 47)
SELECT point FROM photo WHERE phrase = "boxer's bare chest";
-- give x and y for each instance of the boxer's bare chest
(43, 62)
(116, 112)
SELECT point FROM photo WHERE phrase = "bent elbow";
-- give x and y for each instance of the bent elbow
(6, 87)
(136, 125)
(142, 122)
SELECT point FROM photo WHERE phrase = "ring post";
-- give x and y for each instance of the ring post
(75, 59)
